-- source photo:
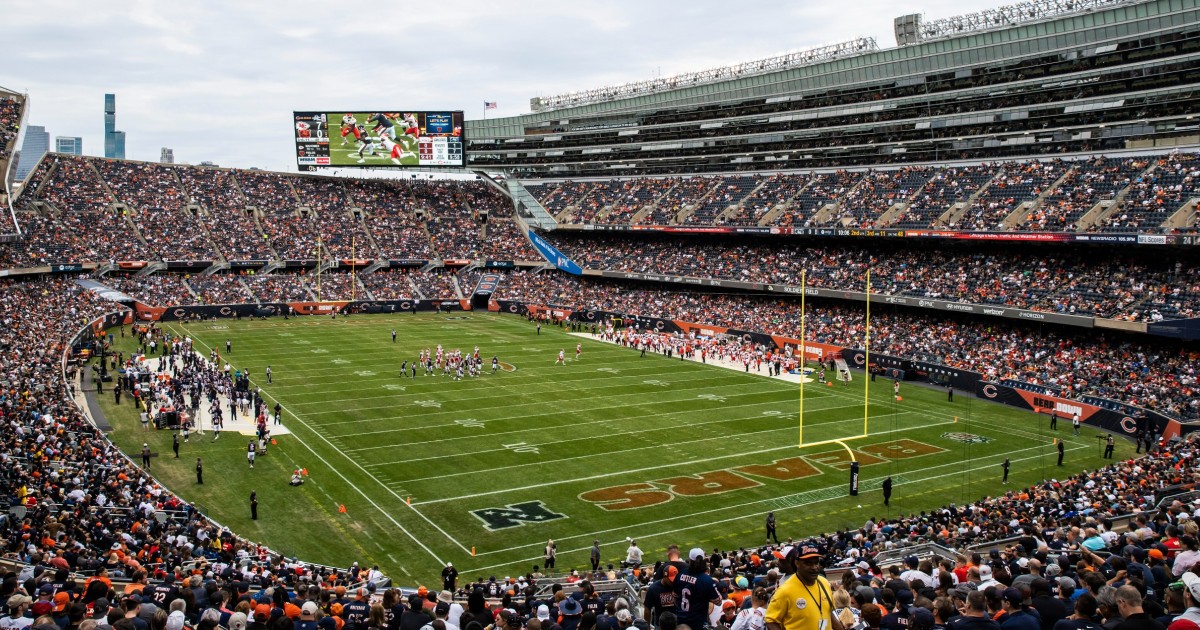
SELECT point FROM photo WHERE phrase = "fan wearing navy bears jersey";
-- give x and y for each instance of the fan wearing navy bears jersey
(356, 612)
(350, 126)
(695, 592)
(660, 595)
(165, 593)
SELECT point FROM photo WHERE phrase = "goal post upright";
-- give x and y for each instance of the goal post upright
(803, 350)
(867, 358)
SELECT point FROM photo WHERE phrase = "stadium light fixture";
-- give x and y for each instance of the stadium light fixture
(851, 48)
(1009, 15)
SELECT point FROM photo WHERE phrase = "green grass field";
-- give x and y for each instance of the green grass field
(606, 447)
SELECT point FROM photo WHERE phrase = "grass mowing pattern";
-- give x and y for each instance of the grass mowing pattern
(611, 427)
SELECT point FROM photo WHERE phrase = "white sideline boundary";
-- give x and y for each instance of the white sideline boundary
(605, 453)
(570, 425)
(364, 495)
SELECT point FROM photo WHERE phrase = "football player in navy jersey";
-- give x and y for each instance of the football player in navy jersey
(695, 592)
(384, 128)
(365, 144)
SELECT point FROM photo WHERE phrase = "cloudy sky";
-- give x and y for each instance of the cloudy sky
(217, 80)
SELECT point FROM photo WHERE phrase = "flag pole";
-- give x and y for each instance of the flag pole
(353, 266)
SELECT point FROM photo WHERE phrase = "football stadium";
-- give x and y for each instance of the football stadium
(895, 335)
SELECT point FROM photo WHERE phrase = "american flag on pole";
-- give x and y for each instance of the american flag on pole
(489, 104)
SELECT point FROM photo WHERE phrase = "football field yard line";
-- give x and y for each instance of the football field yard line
(467, 385)
(706, 458)
(422, 380)
(574, 457)
(541, 403)
(356, 488)
(627, 528)
(543, 428)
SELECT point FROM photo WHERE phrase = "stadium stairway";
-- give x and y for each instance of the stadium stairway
(255, 213)
(151, 268)
(1105, 208)
(366, 292)
(774, 213)
(412, 284)
(955, 212)
(457, 287)
(1020, 216)
(690, 209)
(1184, 217)
(521, 197)
(191, 291)
(360, 217)
(217, 266)
(739, 206)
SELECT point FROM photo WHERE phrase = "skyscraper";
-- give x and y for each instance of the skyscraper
(36, 144)
(114, 141)
(167, 156)
(69, 145)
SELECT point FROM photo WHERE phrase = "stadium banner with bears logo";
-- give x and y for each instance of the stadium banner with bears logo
(193, 266)
(934, 373)
(1122, 424)
(509, 306)
(637, 321)
(884, 365)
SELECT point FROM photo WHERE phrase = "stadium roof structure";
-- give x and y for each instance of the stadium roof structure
(1011, 15)
(1000, 17)
(811, 56)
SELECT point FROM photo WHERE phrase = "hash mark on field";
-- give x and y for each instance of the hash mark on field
(319, 351)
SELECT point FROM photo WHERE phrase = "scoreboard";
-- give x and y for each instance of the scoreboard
(379, 139)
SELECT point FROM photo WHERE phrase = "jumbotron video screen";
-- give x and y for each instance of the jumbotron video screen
(379, 139)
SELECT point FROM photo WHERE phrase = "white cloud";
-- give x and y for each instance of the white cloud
(218, 80)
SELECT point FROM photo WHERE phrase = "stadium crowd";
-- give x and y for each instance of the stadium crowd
(219, 289)
(1144, 193)
(10, 121)
(89, 513)
(193, 574)
(1065, 281)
